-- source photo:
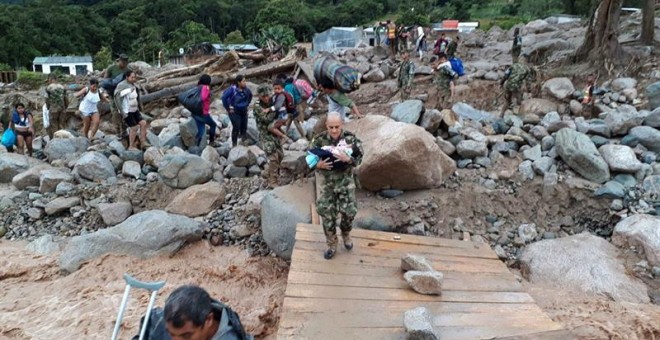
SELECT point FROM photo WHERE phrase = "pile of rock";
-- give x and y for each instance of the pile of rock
(421, 276)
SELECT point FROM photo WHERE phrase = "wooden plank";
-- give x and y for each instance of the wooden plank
(548, 335)
(409, 239)
(362, 293)
(452, 281)
(294, 304)
(401, 247)
(316, 219)
(474, 265)
(390, 319)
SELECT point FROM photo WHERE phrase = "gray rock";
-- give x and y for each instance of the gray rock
(599, 141)
(620, 158)
(131, 169)
(653, 119)
(416, 263)
(471, 149)
(427, 282)
(483, 161)
(418, 323)
(640, 231)
(647, 136)
(533, 154)
(143, 235)
(623, 119)
(233, 171)
(585, 263)
(61, 204)
(35, 213)
(65, 148)
(651, 185)
(423, 70)
(431, 119)
(559, 88)
(550, 118)
(64, 188)
(374, 76)
(617, 205)
(28, 178)
(44, 245)
(390, 193)
(526, 170)
(541, 50)
(539, 132)
(242, 156)
(628, 181)
(621, 84)
(240, 231)
(653, 94)
(183, 171)
(466, 111)
(611, 189)
(527, 232)
(133, 155)
(281, 210)
(580, 153)
(447, 147)
(188, 132)
(370, 219)
(116, 162)
(94, 166)
(50, 179)
(408, 112)
(198, 200)
(543, 165)
(115, 213)
(547, 143)
(171, 136)
(575, 107)
(536, 107)
(12, 164)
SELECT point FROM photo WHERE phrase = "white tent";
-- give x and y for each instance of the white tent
(337, 38)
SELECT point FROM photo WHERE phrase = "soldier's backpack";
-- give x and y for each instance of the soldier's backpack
(345, 78)
(457, 66)
(192, 100)
(230, 325)
(110, 84)
(304, 88)
(289, 102)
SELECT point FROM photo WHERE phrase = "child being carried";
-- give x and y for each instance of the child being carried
(330, 153)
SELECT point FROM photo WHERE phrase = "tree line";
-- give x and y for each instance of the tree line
(142, 28)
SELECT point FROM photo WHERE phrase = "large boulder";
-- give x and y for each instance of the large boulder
(198, 200)
(579, 152)
(621, 84)
(12, 164)
(61, 204)
(49, 179)
(94, 166)
(241, 156)
(538, 26)
(153, 156)
(653, 94)
(653, 119)
(281, 210)
(29, 178)
(537, 106)
(115, 213)
(374, 76)
(408, 111)
(640, 231)
(171, 136)
(184, 170)
(559, 88)
(143, 235)
(541, 50)
(466, 111)
(65, 148)
(431, 119)
(408, 147)
(188, 132)
(582, 262)
(623, 119)
(647, 136)
(620, 158)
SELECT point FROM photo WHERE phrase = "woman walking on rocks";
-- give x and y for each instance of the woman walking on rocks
(205, 119)
(23, 124)
(236, 100)
(89, 108)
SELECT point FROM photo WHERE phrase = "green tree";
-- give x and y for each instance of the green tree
(147, 45)
(191, 33)
(234, 37)
(275, 36)
(103, 58)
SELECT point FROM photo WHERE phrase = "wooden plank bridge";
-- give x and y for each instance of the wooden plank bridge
(362, 294)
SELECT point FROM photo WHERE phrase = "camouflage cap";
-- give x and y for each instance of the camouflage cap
(263, 90)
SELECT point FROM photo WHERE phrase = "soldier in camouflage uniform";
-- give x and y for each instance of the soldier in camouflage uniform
(269, 142)
(337, 201)
(406, 76)
(57, 103)
(452, 47)
(444, 82)
(514, 77)
(516, 48)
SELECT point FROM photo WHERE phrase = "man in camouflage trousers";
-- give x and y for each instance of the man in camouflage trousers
(444, 83)
(514, 77)
(406, 76)
(337, 201)
(57, 102)
(269, 142)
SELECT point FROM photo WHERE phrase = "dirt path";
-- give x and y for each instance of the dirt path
(36, 302)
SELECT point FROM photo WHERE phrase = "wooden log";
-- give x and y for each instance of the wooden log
(253, 56)
(186, 71)
(175, 90)
(153, 86)
(269, 69)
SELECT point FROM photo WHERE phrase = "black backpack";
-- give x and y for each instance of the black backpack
(192, 100)
(230, 325)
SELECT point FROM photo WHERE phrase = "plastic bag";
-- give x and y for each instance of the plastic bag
(46, 116)
(192, 100)
(8, 138)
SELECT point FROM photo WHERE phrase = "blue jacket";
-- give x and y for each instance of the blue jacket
(237, 99)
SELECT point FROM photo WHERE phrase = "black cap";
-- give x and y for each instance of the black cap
(123, 57)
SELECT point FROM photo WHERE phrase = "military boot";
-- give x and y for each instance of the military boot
(348, 243)
(332, 247)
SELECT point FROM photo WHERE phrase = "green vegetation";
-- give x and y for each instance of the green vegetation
(30, 80)
(142, 28)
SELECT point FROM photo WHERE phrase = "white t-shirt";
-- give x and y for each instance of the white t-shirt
(420, 31)
(88, 105)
